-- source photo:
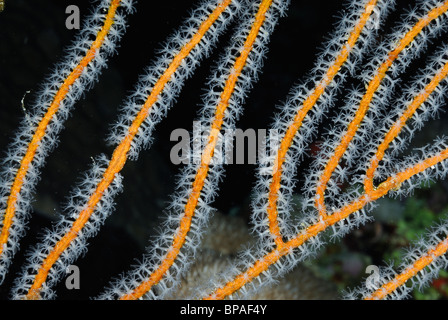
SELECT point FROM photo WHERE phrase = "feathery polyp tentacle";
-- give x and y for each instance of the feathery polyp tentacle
(51, 109)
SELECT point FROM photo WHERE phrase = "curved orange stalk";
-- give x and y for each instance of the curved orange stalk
(395, 129)
(285, 248)
(367, 98)
(308, 104)
(120, 153)
(417, 266)
(442, 247)
(46, 119)
(207, 155)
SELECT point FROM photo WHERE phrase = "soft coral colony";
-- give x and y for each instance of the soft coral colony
(363, 154)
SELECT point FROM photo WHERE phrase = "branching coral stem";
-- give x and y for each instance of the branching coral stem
(47, 118)
(285, 248)
(410, 272)
(207, 155)
(399, 125)
(308, 104)
(370, 194)
(367, 98)
(120, 154)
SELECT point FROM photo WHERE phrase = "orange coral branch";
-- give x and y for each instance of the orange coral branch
(367, 98)
(47, 118)
(120, 154)
(371, 194)
(275, 255)
(308, 104)
(207, 155)
(399, 125)
(410, 272)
